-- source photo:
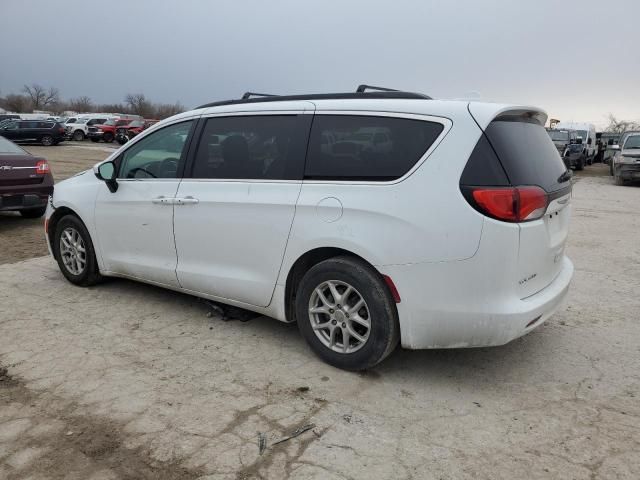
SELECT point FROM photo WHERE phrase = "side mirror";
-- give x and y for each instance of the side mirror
(107, 173)
(589, 141)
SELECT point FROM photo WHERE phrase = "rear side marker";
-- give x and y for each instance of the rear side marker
(392, 288)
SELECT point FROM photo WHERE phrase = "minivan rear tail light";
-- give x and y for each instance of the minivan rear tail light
(42, 167)
(509, 204)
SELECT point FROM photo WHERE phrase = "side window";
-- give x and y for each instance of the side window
(252, 147)
(367, 147)
(158, 155)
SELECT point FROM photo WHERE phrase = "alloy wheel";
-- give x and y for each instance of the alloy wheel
(73, 251)
(339, 316)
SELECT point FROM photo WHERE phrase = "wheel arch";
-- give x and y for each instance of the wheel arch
(53, 220)
(303, 263)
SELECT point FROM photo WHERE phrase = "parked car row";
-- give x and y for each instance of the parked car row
(624, 165)
(571, 148)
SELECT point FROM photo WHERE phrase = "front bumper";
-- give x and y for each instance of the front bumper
(628, 171)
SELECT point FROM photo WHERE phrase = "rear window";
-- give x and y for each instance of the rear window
(527, 154)
(358, 147)
(10, 148)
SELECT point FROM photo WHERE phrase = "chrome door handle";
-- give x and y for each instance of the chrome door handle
(186, 200)
(162, 200)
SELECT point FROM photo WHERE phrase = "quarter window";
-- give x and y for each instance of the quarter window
(350, 147)
(158, 155)
(252, 147)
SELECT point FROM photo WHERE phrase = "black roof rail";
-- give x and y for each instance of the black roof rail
(255, 94)
(383, 93)
(363, 88)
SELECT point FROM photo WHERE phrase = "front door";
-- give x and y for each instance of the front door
(236, 204)
(135, 223)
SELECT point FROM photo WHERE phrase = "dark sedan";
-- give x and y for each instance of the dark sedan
(25, 181)
(42, 131)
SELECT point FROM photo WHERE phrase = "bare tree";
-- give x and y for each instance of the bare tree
(620, 126)
(139, 104)
(17, 103)
(164, 110)
(41, 97)
(81, 104)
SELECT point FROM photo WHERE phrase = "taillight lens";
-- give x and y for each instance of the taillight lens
(510, 204)
(61, 130)
(42, 167)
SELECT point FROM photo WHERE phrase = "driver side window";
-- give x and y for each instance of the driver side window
(158, 155)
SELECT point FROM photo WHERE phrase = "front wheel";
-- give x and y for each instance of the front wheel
(74, 252)
(108, 137)
(580, 164)
(78, 135)
(346, 314)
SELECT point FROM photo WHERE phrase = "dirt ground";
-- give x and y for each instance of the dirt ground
(22, 238)
(128, 381)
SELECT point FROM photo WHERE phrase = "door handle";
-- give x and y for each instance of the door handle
(162, 200)
(186, 200)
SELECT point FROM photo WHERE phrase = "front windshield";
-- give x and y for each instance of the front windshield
(632, 142)
(82, 121)
(109, 122)
(559, 135)
(583, 134)
(10, 148)
(136, 123)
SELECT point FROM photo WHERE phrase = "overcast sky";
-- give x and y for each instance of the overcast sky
(578, 60)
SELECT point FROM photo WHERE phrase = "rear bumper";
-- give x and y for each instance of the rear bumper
(451, 305)
(22, 201)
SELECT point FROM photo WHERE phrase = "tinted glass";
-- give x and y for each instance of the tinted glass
(252, 147)
(158, 155)
(28, 125)
(483, 167)
(350, 147)
(559, 135)
(527, 154)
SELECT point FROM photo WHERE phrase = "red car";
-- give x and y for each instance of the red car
(126, 133)
(107, 130)
(25, 181)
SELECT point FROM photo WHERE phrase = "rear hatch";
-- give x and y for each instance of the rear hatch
(529, 161)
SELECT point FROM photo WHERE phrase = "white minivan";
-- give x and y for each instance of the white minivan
(586, 131)
(448, 232)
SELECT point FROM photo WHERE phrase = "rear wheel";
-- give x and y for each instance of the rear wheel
(46, 140)
(33, 212)
(78, 135)
(74, 252)
(580, 164)
(346, 314)
(108, 137)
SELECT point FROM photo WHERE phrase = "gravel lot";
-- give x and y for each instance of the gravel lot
(127, 381)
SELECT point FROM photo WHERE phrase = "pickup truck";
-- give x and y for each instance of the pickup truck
(569, 147)
(107, 130)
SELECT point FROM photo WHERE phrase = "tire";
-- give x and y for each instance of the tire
(378, 310)
(580, 164)
(618, 180)
(611, 173)
(33, 212)
(46, 140)
(78, 136)
(89, 274)
(122, 140)
(107, 137)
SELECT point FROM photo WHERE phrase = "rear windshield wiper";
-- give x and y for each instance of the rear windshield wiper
(566, 176)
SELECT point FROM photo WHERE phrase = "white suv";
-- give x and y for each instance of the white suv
(452, 235)
(79, 128)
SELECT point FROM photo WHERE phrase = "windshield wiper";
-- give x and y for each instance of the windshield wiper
(566, 176)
